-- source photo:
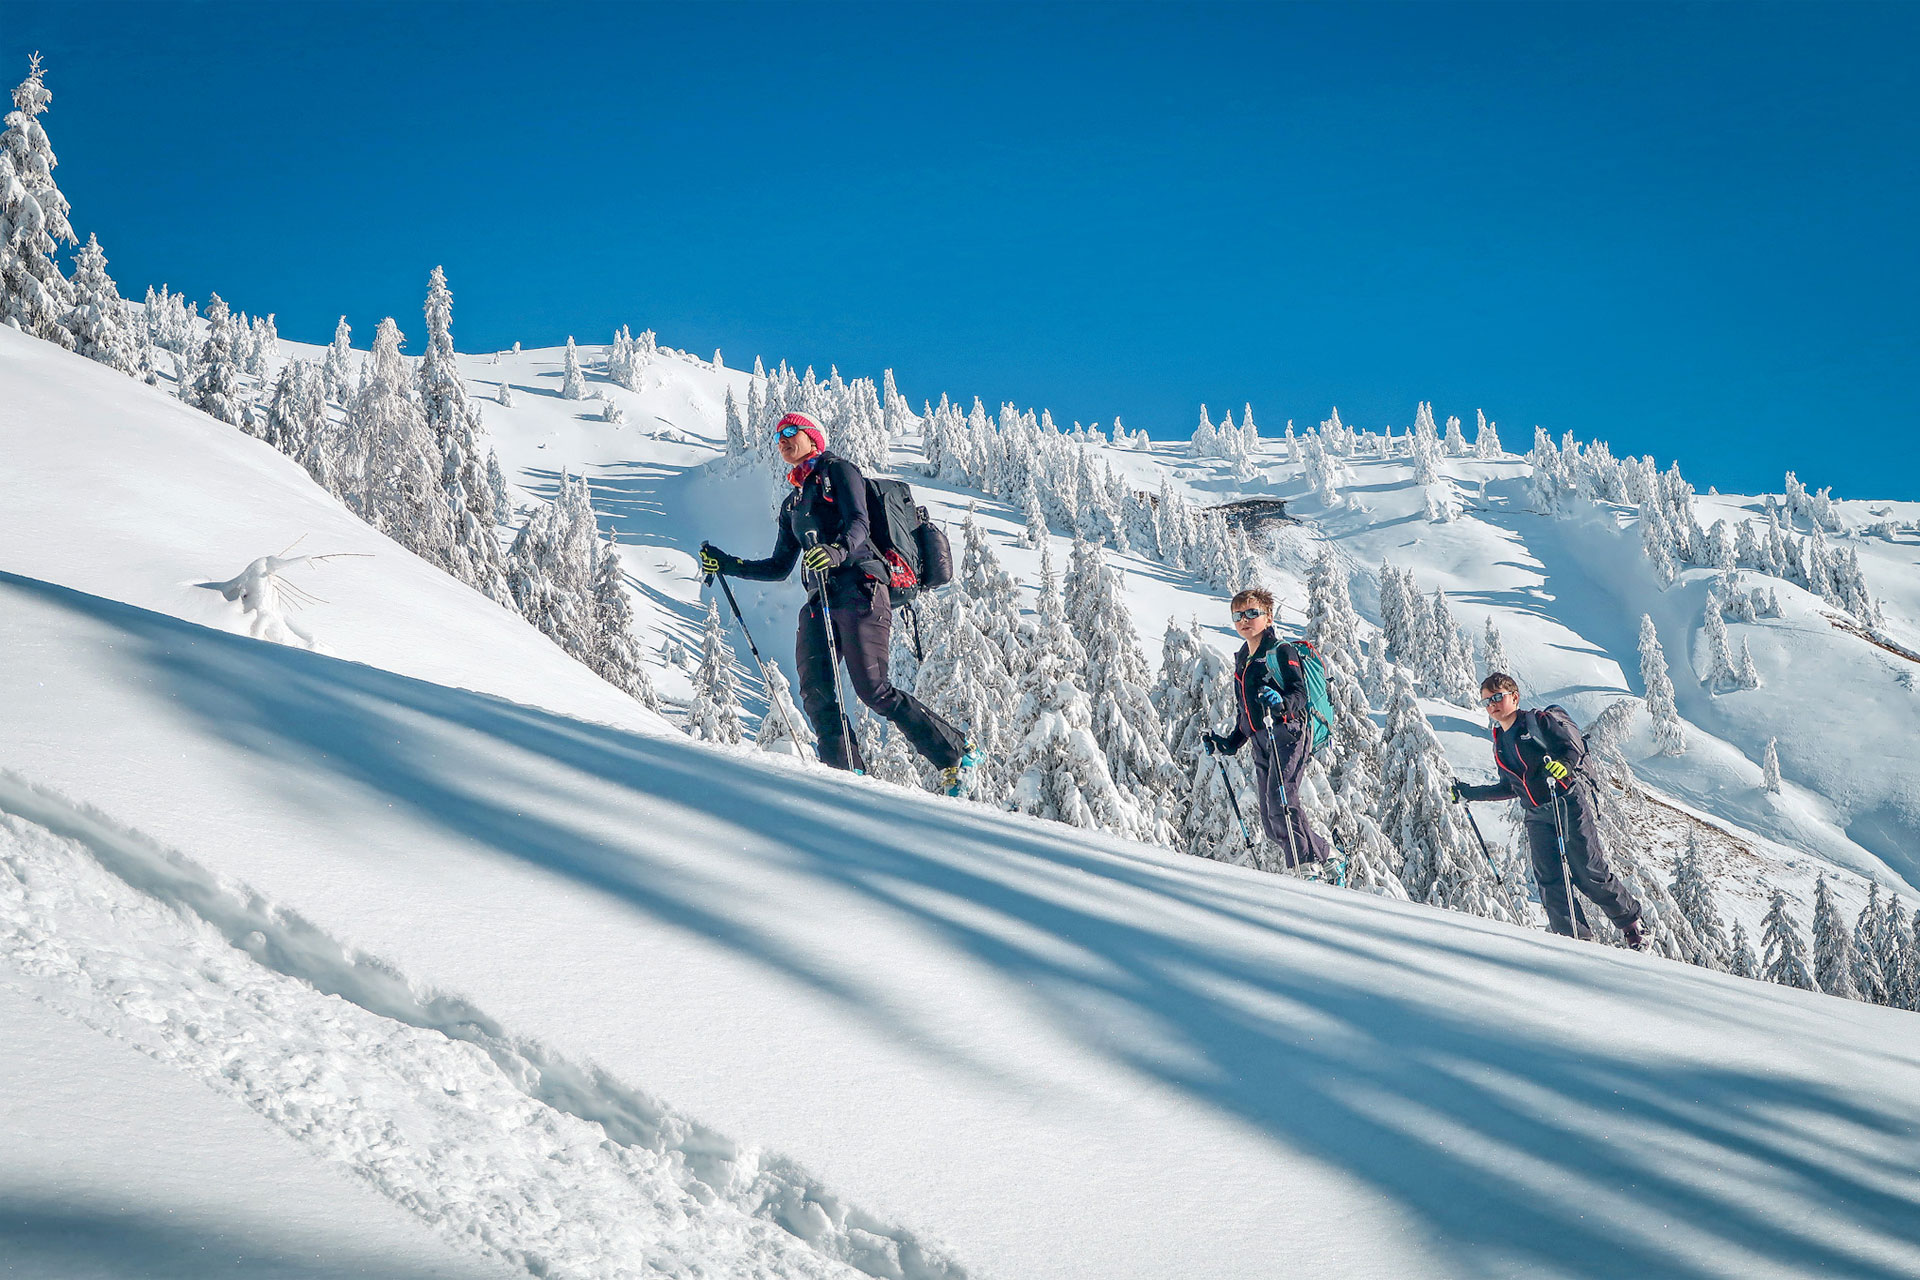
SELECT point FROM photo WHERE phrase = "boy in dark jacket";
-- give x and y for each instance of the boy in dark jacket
(823, 525)
(1542, 759)
(1273, 714)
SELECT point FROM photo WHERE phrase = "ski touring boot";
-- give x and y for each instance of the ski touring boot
(958, 779)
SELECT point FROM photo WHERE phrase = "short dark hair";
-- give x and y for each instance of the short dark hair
(1264, 596)
(1500, 682)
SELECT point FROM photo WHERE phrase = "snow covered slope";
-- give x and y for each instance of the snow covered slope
(587, 997)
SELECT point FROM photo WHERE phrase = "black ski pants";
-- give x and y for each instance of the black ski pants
(863, 630)
(1279, 763)
(1593, 876)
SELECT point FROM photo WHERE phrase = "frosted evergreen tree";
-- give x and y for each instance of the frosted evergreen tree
(1493, 652)
(1868, 981)
(266, 346)
(1125, 724)
(97, 318)
(1720, 669)
(614, 652)
(1786, 952)
(784, 729)
(1455, 443)
(1741, 962)
(34, 296)
(1897, 954)
(1399, 626)
(1833, 958)
(1057, 768)
(541, 580)
(1770, 767)
(216, 380)
(736, 430)
(1449, 658)
(297, 411)
(453, 423)
(574, 384)
(965, 679)
(715, 714)
(612, 414)
(497, 489)
(1745, 674)
(1034, 517)
(1669, 734)
(1694, 896)
(1486, 442)
(397, 486)
(337, 372)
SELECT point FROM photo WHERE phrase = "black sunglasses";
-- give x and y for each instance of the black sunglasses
(788, 433)
(1492, 698)
(1247, 615)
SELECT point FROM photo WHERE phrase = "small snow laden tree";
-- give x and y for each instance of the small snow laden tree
(1741, 961)
(1493, 652)
(266, 346)
(297, 411)
(216, 382)
(1693, 894)
(34, 296)
(614, 651)
(1486, 440)
(453, 422)
(1833, 959)
(965, 679)
(1400, 627)
(1125, 725)
(1455, 443)
(612, 413)
(550, 567)
(336, 372)
(1745, 674)
(1868, 978)
(398, 488)
(97, 318)
(1899, 954)
(1720, 670)
(1669, 734)
(497, 488)
(1770, 767)
(574, 384)
(1441, 865)
(1786, 952)
(715, 714)
(1058, 770)
(1449, 658)
(783, 729)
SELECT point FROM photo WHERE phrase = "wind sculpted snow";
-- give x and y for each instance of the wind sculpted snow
(1055, 1055)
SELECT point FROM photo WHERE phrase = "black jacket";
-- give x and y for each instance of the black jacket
(1250, 676)
(832, 503)
(1521, 752)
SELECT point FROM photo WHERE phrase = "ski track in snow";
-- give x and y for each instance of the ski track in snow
(491, 1140)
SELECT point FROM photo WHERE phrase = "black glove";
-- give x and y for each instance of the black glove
(822, 557)
(714, 560)
(1453, 792)
(1218, 743)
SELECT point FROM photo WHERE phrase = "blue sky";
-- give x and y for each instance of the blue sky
(1688, 230)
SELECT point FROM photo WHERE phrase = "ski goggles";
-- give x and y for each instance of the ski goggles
(1247, 615)
(789, 432)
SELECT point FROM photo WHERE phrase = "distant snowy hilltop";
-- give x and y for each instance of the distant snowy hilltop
(395, 726)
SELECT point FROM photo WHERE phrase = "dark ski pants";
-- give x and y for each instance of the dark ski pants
(862, 628)
(1586, 860)
(1279, 763)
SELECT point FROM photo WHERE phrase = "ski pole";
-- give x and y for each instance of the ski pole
(1280, 780)
(1566, 870)
(1235, 802)
(833, 657)
(755, 650)
(1483, 847)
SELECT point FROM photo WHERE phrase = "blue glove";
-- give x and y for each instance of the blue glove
(821, 558)
(1271, 696)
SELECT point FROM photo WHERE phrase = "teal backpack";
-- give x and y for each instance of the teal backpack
(1314, 672)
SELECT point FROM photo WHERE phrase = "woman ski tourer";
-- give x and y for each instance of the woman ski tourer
(823, 526)
(1541, 756)
(1270, 696)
